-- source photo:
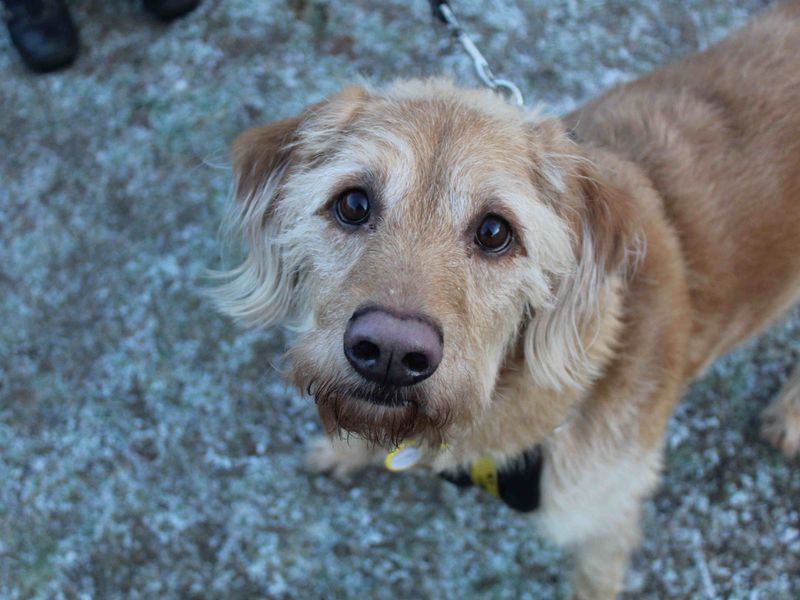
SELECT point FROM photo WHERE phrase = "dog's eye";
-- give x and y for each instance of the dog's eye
(493, 234)
(352, 207)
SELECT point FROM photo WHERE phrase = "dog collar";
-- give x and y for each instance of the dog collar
(517, 483)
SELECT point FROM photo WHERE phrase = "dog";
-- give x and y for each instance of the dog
(478, 282)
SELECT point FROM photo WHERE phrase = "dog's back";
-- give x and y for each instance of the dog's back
(718, 134)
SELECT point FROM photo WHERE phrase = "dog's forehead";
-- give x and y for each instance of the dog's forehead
(438, 153)
(442, 132)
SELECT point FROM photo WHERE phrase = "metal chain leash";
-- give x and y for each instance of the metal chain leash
(443, 12)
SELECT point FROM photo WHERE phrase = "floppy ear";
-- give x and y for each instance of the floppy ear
(268, 286)
(259, 291)
(261, 153)
(566, 344)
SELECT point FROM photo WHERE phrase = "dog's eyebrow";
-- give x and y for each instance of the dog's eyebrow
(393, 141)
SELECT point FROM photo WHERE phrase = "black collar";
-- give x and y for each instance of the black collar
(518, 484)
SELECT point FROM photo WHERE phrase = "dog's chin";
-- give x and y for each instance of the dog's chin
(380, 415)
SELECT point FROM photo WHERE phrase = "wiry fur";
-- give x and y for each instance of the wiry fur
(661, 233)
(382, 417)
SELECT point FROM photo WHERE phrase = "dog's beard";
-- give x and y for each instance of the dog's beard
(381, 416)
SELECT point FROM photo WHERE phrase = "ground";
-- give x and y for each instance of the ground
(149, 448)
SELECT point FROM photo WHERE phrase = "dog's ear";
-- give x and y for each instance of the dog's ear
(268, 286)
(566, 342)
(261, 153)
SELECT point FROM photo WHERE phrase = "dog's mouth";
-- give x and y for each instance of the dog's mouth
(385, 416)
(388, 396)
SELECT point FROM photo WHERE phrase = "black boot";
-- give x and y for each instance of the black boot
(43, 33)
(166, 10)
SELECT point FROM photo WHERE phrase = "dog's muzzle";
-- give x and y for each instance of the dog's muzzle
(390, 349)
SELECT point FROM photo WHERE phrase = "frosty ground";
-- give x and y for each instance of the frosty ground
(149, 448)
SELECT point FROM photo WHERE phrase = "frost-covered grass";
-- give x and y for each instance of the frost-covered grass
(148, 449)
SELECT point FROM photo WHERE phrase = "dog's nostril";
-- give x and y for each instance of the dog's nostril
(366, 351)
(416, 361)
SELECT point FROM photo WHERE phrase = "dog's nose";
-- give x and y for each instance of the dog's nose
(390, 349)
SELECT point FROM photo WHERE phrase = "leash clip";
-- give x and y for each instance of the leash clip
(443, 12)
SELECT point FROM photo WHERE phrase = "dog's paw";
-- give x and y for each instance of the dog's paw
(338, 458)
(780, 426)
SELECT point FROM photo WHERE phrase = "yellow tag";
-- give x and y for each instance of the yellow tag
(403, 457)
(484, 474)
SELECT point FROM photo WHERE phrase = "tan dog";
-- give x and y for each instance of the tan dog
(467, 273)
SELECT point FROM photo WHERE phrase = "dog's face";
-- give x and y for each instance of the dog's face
(422, 239)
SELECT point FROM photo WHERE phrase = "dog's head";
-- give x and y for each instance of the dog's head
(422, 239)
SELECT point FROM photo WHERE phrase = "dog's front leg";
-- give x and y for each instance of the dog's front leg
(781, 419)
(341, 457)
(591, 504)
(601, 561)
